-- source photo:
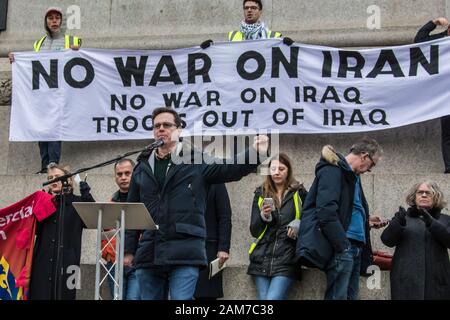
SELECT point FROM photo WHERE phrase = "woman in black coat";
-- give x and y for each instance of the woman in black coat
(44, 281)
(275, 227)
(218, 237)
(421, 237)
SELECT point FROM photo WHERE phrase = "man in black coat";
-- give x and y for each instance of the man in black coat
(218, 238)
(172, 182)
(334, 233)
(422, 36)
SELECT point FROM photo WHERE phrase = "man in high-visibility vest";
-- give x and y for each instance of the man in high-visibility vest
(252, 28)
(55, 39)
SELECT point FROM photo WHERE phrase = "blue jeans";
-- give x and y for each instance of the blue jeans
(272, 288)
(130, 289)
(50, 152)
(343, 275)
(157, 283)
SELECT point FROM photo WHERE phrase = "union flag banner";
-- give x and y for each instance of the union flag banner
(17, 230)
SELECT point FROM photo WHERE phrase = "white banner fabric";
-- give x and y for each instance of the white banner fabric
(94, 94)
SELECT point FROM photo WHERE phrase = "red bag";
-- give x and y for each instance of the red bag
(382, 259)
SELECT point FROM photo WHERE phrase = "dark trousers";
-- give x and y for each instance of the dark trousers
(50, 152)
(445, 128)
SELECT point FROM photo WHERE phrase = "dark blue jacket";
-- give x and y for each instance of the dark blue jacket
(327, 213)
(178, 207)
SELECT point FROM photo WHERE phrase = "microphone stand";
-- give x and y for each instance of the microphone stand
(64, 179)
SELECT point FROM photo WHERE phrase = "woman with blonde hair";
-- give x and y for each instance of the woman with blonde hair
(275, 220)
(421, 237)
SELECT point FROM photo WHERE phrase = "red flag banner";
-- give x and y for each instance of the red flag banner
(17, 230)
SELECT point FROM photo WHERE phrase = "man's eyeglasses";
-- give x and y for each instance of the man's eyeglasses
(251, 8)
(423, 192)
(165, 125)
(373, 162)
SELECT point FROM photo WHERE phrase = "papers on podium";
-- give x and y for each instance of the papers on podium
(214, 267)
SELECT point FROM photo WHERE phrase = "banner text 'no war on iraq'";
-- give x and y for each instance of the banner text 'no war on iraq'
(95, 94)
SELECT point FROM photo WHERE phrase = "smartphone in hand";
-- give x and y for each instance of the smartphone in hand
(269, 201)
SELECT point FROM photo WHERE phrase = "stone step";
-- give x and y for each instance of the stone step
(238, 285)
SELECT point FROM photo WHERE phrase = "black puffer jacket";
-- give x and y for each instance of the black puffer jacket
(275, 253)
(178, 207)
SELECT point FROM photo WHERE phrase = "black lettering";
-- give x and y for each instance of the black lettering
(193, 100)
(357, 117)
(246, 114)
(147, 123)
(244, 93)
(135, 105)
(203, 71)
(334, 95)
(265, 94)
(386, 56)
(291, 67)
(131, 69)
(356, 98)
(417, 56)
(325, 117)
(174, 99)
(212, 96)
(344, 67)
(208, 123)
(297, 115)
(112, 124)
(327, 64)
(227, 123)
(382, 114)
(283, 113)
(99, 123)
(240, 65)
(89, 77)
(115, 101)
(337, 115)
(38, 70)
(134, 124)
(165, 61)
(309, 93)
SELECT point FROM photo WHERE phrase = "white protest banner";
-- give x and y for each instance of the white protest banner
(95, 94)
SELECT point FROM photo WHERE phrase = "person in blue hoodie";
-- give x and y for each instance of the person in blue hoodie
(337, 207)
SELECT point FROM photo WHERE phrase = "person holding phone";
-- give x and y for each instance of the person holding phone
(275, 221)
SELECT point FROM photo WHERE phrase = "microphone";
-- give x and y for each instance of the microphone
(154, 145)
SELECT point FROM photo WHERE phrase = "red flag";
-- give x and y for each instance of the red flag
(17, 230)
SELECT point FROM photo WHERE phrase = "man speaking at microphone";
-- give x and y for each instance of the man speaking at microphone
(175, 194)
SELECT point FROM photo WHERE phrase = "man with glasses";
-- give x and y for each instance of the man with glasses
(175, 194)
(424, 35)
(251, 27)
(337, 199)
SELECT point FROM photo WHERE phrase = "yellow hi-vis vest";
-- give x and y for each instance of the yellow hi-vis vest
(239, 36)
(68, 41)
(298, 214)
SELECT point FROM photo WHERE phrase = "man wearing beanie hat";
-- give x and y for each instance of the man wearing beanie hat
(55, 39)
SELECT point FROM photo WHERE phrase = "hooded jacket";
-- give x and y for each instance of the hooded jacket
(327, 213)
(55, 41)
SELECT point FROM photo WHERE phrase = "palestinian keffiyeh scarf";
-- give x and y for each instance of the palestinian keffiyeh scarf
(254, 31)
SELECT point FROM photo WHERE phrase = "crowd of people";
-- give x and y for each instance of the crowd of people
(327, 227)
